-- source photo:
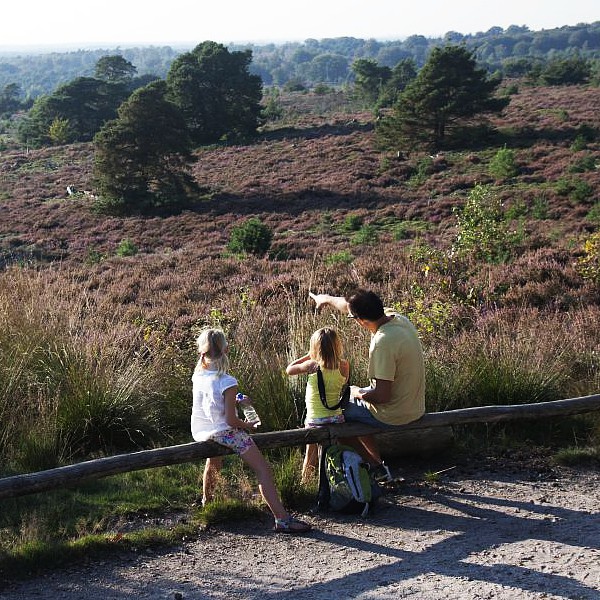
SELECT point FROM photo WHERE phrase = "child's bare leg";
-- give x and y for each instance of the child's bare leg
(309, 466)
(257, 462)
(209, 479)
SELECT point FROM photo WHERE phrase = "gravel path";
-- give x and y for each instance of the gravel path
(497, 530)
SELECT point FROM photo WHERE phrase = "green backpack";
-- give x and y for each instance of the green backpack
(345, 484)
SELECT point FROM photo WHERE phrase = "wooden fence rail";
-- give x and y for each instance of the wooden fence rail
(30, 483)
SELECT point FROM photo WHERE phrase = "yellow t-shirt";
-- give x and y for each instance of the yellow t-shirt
(334, 381)
(396, 355)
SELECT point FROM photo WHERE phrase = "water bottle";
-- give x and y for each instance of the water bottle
(250, 415)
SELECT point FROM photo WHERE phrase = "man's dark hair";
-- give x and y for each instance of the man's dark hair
(364, 304)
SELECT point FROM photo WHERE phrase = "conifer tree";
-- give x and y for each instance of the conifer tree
(449, 88)
(142, 158)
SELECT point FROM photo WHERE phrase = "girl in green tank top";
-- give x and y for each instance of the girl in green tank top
(325, 353)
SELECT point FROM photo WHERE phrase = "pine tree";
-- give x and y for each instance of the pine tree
(216, 93)
(448, 88)
(142, 158)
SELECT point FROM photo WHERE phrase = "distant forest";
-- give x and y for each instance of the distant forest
(513, 51)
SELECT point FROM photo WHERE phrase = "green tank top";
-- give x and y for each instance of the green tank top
(334, 381)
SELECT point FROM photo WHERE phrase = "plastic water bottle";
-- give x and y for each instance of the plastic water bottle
(250, 414)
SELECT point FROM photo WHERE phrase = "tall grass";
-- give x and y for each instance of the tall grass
(80, 377)
(72, 383)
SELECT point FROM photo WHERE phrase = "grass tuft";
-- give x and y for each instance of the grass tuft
(575, 456)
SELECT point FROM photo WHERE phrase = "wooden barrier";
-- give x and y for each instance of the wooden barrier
(30, 483)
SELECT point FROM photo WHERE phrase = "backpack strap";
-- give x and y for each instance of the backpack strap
(324, 492)
(322, 394)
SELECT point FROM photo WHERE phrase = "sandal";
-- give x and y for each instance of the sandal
(291, 525)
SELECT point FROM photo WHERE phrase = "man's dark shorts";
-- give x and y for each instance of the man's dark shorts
(356, 411)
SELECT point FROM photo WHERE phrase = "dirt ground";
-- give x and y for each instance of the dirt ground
(488, 528)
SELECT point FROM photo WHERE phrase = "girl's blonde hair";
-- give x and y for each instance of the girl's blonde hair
(326, 348)
(212, 347)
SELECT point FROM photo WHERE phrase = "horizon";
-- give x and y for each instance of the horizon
(65, 24)
(184, 45)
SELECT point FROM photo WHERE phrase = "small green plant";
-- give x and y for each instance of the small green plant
(581, 191)
(272, 111)
(503, 165)
(250, 237)
(431, 477)
(563, 186)
(352, 223)
(593, 215)
(584, 163)
(322, 88)
(326, 221)
(126, 248)
(516, 209)
(94, 256)
(539, 210)
(423, 169)
(573, 456)
(343, 257)
(367, 234)
(59, 131)
(579, 143)
(402, 231)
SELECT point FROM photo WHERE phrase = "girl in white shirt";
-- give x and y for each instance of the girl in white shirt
(214, 417)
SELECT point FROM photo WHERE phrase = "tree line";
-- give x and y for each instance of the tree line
(513, 51)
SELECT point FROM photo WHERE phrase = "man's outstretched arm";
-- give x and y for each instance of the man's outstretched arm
(338, 303)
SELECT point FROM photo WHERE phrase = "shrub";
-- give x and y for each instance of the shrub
(594, 214)
(250, 237)
(579, 143)
(583, 164)
(423, 169)
(482, 229)
(367, 234)
(581, 191)
(342, 257)
(127, 248)
(563, 186)
(588, 264)
(352, 223)
(322, 88)
(503, 164)
(272, 111)
(539, 209)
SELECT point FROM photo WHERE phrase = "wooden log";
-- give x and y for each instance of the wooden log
(30, 483)
(416, 442)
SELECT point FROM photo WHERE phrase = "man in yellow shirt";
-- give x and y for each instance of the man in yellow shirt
(396, 369)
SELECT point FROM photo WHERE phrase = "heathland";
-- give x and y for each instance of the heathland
(492, 248)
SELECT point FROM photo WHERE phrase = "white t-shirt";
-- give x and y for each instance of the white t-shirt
(208, 408)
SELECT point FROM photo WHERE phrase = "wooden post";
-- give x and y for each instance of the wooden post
(31, 483)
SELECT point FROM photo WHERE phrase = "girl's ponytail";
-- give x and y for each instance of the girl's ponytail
(326, 348)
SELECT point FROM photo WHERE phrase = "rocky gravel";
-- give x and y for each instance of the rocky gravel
(487, 528)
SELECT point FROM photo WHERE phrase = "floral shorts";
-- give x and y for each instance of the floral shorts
(236, 439)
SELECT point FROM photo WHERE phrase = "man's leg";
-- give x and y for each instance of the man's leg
(356, 411)
(366, 446)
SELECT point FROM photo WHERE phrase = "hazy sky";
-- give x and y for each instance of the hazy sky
(102, 23)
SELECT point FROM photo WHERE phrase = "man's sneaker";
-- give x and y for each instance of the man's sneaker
(381, 473)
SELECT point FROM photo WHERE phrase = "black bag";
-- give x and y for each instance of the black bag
(344, 394)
